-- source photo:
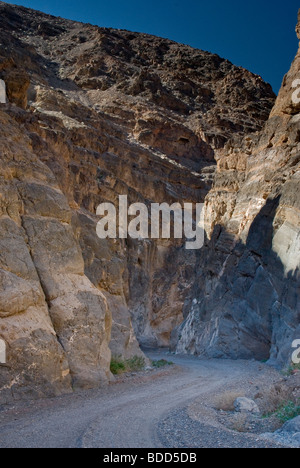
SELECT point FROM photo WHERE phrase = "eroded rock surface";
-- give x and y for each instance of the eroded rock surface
(247, 290)
(95, 113)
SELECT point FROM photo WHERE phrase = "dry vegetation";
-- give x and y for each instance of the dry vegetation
(225, 402)
(273, 398)
(278, 403)
(240, 422)
(121, 366)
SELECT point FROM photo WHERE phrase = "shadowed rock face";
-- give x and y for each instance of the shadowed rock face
(248, 286)
(94, 113)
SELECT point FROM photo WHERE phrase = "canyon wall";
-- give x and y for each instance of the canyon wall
(94, 113)
(247, 293)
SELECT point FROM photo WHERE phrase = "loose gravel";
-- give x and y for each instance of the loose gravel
(178, 430)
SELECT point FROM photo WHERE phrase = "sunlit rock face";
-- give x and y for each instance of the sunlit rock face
(94, 113)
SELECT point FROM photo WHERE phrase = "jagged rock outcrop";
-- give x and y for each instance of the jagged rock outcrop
(94, 113)
(55, 323)
(247, 291)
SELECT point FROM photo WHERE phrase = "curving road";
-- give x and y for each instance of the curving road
(124, 415)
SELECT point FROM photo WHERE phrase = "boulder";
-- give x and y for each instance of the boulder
(296, 438)
(245, 405)
(292, 426)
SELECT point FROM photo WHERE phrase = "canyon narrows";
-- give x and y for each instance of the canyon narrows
(93, 113)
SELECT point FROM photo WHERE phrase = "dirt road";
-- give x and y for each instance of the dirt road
(124, 415)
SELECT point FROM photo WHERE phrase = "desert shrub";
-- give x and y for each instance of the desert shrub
(225, 402)
(288, 411)
(161, 363)
(293, 368)
(136, 363)
(120, 366)
(273, 398)
(117, 366)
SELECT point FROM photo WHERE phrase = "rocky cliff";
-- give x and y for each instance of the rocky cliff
(247, 292)
(95, 113)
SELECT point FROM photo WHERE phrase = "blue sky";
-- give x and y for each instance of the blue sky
(258, 34)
